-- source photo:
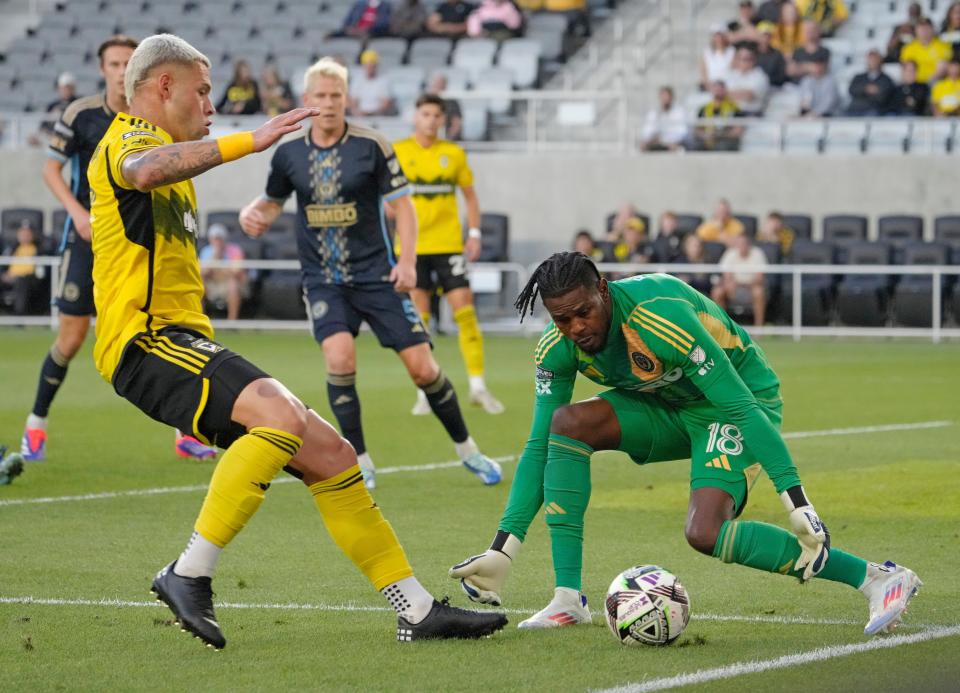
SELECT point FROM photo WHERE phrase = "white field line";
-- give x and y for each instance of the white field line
(818, 655)
(441, 465)
(349, 607)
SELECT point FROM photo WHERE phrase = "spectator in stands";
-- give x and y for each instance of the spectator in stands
(769, 59)
(242, 95)
(928, 52)
(632, 245)
(665, 128)
(743, 265)
(950, 29)
(804, 58)
(789, 34)
(449, 19)
(871, 92)
(828, 14)
(722, 227)
(723, 138)
(576, 12)
(409, 19)
(911, 98)
(369, 90)
(693, 254)
(769, 11)
(275, 92)
(367, 18)
(903, 33)
(454, 115)
(66, 94)
(224, 287)
(945, 95)
(743, 30)
(22, 280)
(627, 217)
(819, 92)
(774, 230)
(497, 19)
(583, 243)
(666, 246)
(748, 84)
(717, 58)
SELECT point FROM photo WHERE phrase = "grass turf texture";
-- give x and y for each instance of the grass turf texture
(884, 495)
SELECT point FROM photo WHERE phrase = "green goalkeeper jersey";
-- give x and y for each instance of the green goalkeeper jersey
(670, 341)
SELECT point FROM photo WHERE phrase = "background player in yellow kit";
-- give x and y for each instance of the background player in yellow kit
(435, 169)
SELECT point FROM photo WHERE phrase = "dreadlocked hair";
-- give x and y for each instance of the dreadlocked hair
(555, 276)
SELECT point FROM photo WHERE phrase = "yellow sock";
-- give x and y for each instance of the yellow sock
(358, 527)
(242, 476)
(471, 339)
(425, 319)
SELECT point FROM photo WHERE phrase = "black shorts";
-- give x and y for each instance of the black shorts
(447, 271)
(184, 380)
(75, 291)
(392, 316)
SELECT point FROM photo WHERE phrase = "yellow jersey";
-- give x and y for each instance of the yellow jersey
(435, 173)
(145, 269)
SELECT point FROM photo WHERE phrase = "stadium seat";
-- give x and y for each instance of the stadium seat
(913, 298)
(548, 30)
(58, 222)
(898, 231)
(406, 84)
(888, 136)
(347, 48)
(26, 51)
(391, 50)
(457, 78)
(713, 251)
(845, 137)
(804, 137)
(774, 254)
(930, 136)
(281, 295)
(522, 58)
(688, 223)
(495, 243)
(800, 224)
(12, 217)
(863, 299)
(475, 125)
(430, 51)
(764, 137)
(816, 290)
(644, 218)
(474, 55)
(843, 229)
(749, 222)
(228, 217)
(946, 229)
(495, 80)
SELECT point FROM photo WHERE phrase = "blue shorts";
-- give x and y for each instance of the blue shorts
(392, 316)
(75, 291)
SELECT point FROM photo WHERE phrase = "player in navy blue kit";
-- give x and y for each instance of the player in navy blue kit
(75, 137)
(342, 175)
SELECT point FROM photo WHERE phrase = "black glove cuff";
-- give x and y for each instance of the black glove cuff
(797, 496)
(499, 541)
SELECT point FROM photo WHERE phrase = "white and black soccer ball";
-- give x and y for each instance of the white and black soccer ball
(647, 605)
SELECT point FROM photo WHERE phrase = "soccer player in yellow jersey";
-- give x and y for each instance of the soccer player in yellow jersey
(435, 169)
(156, 347)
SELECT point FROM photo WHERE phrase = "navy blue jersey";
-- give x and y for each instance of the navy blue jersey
(75, 136)
(342, 235)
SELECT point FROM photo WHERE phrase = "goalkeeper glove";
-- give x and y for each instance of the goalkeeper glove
(812, 534)
(482, 576)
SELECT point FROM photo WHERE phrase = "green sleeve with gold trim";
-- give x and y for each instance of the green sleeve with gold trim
(556, 372)
(678, 338)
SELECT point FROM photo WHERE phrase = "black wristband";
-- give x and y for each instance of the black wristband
(499, 541)
(797, 497)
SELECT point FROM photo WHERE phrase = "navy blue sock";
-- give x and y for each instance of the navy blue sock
(342, 393)
(52, 373)
(443, 401)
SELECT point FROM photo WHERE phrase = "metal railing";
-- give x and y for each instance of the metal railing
(485, 283)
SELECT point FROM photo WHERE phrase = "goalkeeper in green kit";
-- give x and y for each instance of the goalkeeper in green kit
(685, 381)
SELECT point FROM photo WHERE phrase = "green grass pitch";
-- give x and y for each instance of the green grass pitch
(892, 494)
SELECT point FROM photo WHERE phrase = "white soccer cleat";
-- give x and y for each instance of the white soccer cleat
(422, 406)
(889, 588)
(489, 403)
(567, 608)
(368, 470)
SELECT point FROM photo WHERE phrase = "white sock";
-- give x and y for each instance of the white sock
(198, 559)
(477, 383)
(34, 421)
(422, 397)
(365, 461)
(409, 599)
(467, 448)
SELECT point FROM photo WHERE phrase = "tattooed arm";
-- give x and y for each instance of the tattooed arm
(169, 164)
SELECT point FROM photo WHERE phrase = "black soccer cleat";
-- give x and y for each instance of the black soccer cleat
(445, 621)
(191, 601)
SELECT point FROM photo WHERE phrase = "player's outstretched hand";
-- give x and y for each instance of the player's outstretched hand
(482, 576)
(812, 534)
(404, 276)
(278, 126)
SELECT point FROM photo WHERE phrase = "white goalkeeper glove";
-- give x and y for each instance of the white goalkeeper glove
(482, 576)
(812, 534)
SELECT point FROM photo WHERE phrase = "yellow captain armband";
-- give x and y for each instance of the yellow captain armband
(234, 146)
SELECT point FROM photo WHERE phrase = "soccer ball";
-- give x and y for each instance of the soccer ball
(647, 605)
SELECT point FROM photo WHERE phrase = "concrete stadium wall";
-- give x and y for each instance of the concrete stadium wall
(548, 197)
